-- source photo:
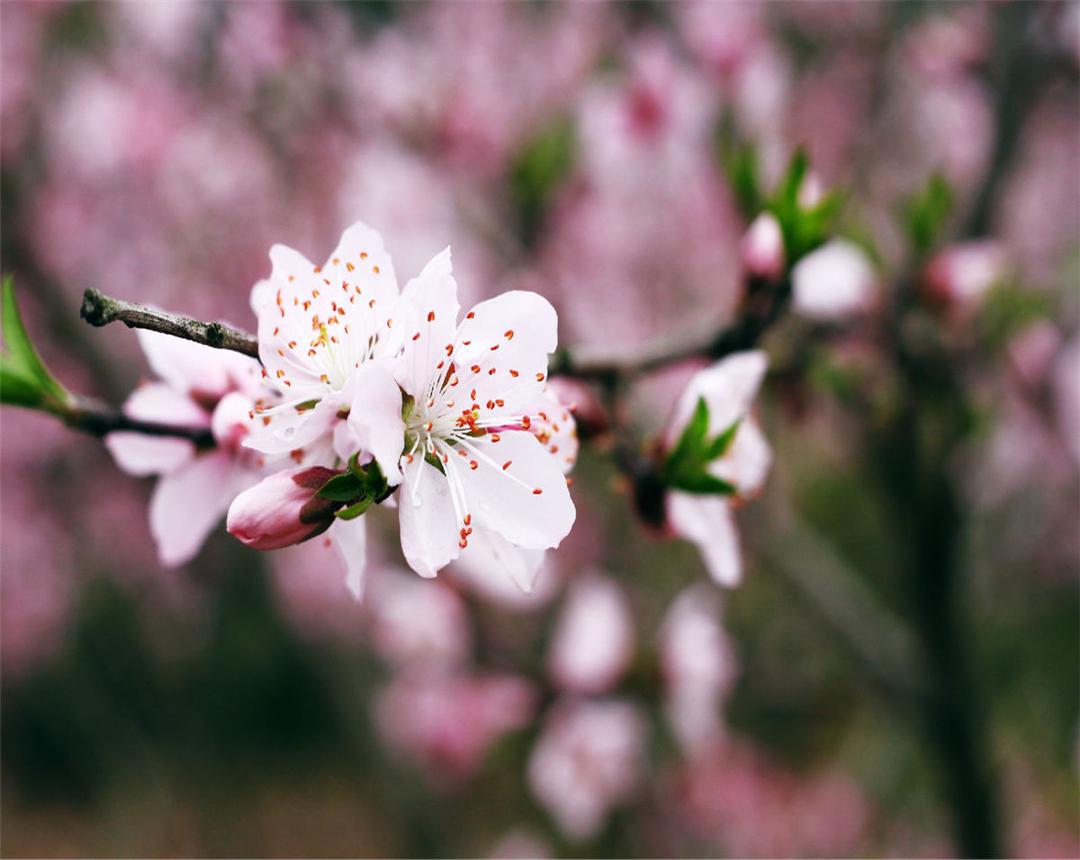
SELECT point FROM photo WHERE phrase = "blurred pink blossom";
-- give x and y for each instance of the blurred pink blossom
(593, 641)
(588, 761)
(416, 623)
(752, 808)
(698, 662)
(960, 276)
(446, 723)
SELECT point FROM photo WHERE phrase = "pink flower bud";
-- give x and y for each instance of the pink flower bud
(763, 248)
(282, 509)
(959, 277)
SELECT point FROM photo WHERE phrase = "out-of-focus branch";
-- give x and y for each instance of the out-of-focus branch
(764, 305)
(99, 309)
(880, 643)
(92, 416)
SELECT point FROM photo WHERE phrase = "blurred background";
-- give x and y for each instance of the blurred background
(245, 705)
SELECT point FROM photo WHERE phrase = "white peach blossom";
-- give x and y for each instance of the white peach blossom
(728, 389)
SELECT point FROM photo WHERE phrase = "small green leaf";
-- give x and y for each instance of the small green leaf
(341, 488)
(926, 213)
(355, 510)
(24, 379)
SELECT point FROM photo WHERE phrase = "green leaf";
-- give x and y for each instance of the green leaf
(24, 379)
(341, 488)
(926, 213)
(537, 172)
(355, 510)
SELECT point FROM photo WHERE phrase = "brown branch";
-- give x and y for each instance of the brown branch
(99, 309)
(96, 418)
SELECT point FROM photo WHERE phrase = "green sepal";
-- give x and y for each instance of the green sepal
(687, 465)
(355, 510)
(24, 379)
(803, 229)
(341, 488)
(926, 213)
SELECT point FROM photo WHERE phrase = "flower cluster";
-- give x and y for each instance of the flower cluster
(367, 394)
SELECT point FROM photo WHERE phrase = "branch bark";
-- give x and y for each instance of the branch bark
(99, 309)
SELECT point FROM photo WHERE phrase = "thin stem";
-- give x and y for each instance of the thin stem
(99, 309)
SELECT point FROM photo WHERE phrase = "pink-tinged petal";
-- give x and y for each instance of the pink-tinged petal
(834, 281)
(747, 462)
(375, 416)
(728, 389)
(349, 539)
(491, 556)
(289, 430)
(427, 317)
(762, 248)
(512, 335)
(429, 524)
(556, 429)
(191, 367)
(137, 454)
(518, 490)
(707, 522)
(164, 404)
(187, 504)
(282, 509)
(594, 637)
(231, 422)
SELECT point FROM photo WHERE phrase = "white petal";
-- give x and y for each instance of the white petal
(512, 335)
(137, 454)
(554, 425)
(187, 504)
(506, 499)
(490, 554)
(429, 526)
(728, 389)
(427, 318)
(289, 430)
(834, 281)
(349, 539)
(375, 416)
(747, 462)
(320, 322)
(706, 521)
(262, 296)
(165, 404)
(188, 366)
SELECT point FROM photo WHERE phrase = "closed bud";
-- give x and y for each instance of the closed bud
(283, 509)
(763, 248)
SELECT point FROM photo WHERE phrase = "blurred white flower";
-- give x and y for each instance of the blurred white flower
(834, 281)
(728, 389)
